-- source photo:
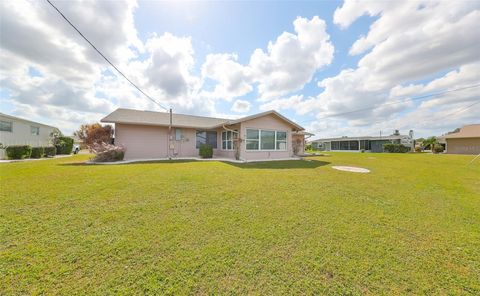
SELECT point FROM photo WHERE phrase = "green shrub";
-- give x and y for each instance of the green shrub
(206, 151)
(50, 151)
(64, 145)
(395, 148)
(418, 149)
(437, 148)
(37, 152)
(18, 151)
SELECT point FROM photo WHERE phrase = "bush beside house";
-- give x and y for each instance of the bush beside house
(37, 152)
(395, 148)
(50, 151)
(205, 151)
(64, 145)
(438, 148)
(18, 151)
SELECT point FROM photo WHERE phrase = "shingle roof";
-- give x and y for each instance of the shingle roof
(180, 120)
(467, 131)
(161, 118)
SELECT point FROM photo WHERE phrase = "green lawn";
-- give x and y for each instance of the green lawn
(411, 226)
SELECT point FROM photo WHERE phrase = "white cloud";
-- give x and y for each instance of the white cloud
(233, 78)
(291, 61)
(286, 66)
(241, 106)
(408, 42)
(35, 36)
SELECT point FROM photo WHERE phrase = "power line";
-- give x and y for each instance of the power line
(103, 56)
(461, 110)
(395, 102)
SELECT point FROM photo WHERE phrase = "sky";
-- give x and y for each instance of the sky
(316, 62)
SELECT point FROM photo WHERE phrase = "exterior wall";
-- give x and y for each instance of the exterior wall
(269, 122)
(150, 142)
(186, 147)
(142, 141)
(21, 134)
(463, 146)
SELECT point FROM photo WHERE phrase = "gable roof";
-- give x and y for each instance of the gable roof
(270, 112)
(467, 131)
(25, 120)
(130, 116)
(161, 118)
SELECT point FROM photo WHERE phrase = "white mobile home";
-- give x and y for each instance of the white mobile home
(19, 131)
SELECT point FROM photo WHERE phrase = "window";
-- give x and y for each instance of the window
(204, 137)
(228, 142)
(5, 126)
(281, 141)
(266, 140)
(35, 130)
(178, 134)
(252, 140)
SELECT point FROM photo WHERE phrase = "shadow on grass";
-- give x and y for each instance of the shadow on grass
(131, 163)
(280, 164)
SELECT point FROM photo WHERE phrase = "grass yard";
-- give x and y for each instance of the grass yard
(411, 226)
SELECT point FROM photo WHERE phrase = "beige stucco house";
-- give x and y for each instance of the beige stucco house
(264, 136)
(466, 141)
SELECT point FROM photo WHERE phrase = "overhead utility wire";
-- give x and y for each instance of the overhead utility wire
(106, 59)
(463, 109)
(396, 102)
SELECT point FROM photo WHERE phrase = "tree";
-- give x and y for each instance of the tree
(430, 142)
(55, 137)
(91, 134)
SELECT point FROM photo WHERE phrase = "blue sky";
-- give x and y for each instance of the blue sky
(309, 60)
(241, 27)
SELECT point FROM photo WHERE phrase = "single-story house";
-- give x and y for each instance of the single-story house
(263, 136)
(369, 144)
(465, 141)
(19, 131)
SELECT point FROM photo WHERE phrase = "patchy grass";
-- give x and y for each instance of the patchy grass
(411, 226)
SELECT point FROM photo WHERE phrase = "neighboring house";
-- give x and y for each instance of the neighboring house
(465, 141)
(371, 144)
(19, 131)
(145, 135)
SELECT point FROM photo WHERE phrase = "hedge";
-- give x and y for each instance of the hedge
(438, 148)
(65, 145)
(395, 148)
(206, 151)
(37, 152)
(50, 151)
(18, 151)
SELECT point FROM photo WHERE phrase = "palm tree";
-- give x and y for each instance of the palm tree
(430, 142)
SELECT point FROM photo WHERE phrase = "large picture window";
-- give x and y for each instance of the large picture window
(266, 140)
(207, 137)
(228, 142)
